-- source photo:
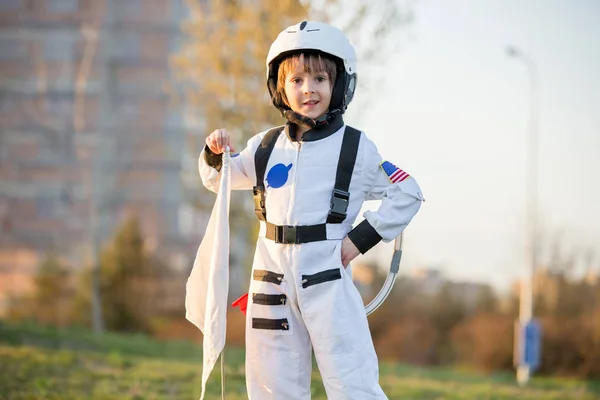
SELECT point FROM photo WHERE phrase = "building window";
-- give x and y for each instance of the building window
(188, 223)
(179, 10)
(7, 103)
(49, 206)
(11, 48)
(59, 49)
(127, 107)
(58, 105)
(174, 124)
(130, 8)
(127, 46)
(46, 207)
(9, 5)
(62, 6)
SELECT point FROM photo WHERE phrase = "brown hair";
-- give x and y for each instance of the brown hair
(311, 62)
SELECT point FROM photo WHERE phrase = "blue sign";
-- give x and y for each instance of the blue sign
(530, 338)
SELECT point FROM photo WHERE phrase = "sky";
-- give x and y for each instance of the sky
(453, 112)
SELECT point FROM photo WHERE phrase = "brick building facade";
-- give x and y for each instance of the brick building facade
(60, 181)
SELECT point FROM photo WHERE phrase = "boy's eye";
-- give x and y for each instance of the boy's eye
(321, 78)
(296, 80)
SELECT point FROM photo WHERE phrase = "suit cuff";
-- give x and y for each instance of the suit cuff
(364, 236)
(212, 159)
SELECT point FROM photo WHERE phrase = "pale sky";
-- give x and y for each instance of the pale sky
(453, 113)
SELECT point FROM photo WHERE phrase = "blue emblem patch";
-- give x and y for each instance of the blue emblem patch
(278, 175)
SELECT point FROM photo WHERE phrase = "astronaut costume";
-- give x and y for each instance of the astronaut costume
(300, 295)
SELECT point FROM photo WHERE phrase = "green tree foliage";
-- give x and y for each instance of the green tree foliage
(222, 61)
(50, 300)
(221, 67)
(221, 71)
(484, 340)
(130, 281)
(53, 292)
(131, 284)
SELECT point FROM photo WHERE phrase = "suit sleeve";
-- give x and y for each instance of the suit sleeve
(243, 174)
(400, 201)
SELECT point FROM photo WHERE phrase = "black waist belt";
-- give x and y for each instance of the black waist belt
(296, 234)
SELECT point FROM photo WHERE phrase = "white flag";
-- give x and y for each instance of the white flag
(208, 284)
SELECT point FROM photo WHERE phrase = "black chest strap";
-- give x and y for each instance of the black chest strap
(340, 196)
(261, 159)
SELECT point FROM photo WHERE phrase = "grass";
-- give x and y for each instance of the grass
(51, 364)
(31, 334)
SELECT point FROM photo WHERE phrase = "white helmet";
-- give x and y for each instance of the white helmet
(317, 37)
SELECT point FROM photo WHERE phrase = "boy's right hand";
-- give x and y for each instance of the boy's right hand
(218, 140)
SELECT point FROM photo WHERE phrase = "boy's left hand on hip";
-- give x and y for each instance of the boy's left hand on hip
(349, 251)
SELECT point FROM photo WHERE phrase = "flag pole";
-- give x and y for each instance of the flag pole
(223, 374)
(227, 150)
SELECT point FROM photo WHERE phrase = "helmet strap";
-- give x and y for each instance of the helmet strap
(299, 119)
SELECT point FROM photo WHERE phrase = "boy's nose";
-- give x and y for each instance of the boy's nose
(308, 88)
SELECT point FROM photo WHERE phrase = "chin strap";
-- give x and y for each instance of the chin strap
(299, 119)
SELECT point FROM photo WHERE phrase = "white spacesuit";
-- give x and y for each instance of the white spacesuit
(300, 295)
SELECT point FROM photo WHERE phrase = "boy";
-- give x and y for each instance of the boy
(310, 179)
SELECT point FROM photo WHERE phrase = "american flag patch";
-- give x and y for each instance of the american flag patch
(394, 173)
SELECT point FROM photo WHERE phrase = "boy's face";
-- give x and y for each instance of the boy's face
(308, 92)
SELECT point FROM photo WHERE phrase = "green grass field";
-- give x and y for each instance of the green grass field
(47, 363)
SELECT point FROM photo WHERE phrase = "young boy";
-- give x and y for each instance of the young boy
(310, 179)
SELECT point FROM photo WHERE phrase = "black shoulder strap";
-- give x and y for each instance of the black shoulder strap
(261, 158)
(340, 196)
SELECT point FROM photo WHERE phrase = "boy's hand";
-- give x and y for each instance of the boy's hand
(349, 251)
(218, 140)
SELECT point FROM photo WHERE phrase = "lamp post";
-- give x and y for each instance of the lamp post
(527, 336)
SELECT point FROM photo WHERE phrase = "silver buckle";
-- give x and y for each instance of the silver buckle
(286, 234)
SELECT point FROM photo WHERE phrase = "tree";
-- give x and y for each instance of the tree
(221, 66)
(53, 292)
(487, 300)
(59, 131)
(222, 61)
(51, 297)
(484, 341)
(567, 299)
(130, 281)
(90, 33)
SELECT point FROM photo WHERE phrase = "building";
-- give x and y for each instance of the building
(429, 280)
(432, 282)
(82, 148)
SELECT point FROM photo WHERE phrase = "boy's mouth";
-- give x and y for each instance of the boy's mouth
(311, 103)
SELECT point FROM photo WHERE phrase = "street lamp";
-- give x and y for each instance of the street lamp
(527, 333)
